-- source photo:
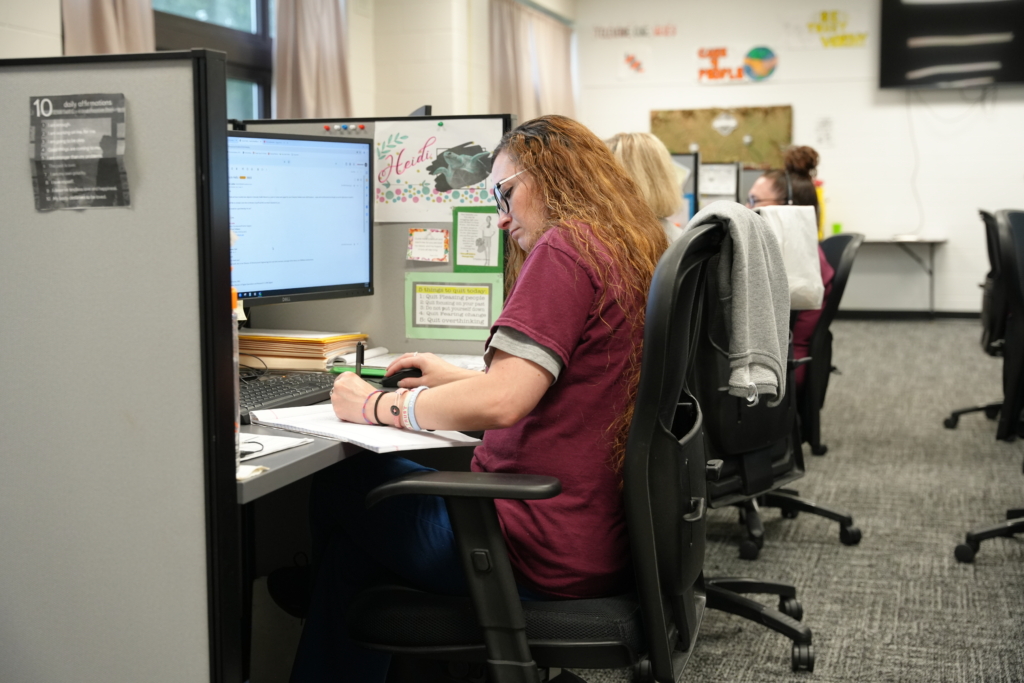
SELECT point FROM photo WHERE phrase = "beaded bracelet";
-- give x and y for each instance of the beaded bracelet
(412, 408)
(362, 412)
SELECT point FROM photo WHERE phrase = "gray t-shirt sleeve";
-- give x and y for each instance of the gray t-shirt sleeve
(516, 343)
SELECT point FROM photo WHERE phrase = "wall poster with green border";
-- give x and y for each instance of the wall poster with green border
(460, 306)
(477, 244)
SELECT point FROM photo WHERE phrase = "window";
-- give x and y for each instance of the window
(243, 29)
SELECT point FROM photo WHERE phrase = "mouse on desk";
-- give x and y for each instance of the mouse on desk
(391, 381)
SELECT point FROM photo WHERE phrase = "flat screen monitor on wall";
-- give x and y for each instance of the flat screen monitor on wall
(942, 44)
(301, 217)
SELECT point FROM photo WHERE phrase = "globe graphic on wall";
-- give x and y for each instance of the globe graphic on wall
(759, 63)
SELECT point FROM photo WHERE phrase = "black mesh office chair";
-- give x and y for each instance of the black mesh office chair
(755, 450)
(994, 309)
(652, 629)
(1009, 227)
(840, 252)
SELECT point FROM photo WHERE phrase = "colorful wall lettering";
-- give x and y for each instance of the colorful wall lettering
(717, 66)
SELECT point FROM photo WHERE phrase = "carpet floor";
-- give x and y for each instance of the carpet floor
(897, 607)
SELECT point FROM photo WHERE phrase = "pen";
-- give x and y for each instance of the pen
(359, 357)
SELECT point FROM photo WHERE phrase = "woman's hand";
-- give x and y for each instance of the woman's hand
(348, 396)
(435, 371)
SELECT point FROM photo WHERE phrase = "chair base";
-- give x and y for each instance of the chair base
(727, 595)
(991, 411)
(791, 504)
(1013, 525)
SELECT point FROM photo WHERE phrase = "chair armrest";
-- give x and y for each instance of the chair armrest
(468, 485)
(469, 497)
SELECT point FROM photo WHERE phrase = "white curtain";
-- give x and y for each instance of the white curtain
(93, 27)
(531, 62)
(310, 60)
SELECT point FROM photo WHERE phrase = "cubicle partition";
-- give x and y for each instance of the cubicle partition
(119, 526)
(382, 315)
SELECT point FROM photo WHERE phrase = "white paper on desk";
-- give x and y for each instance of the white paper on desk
(320, 420)
(244, 472)
(350, 358)
(251, 443)
(464, 361)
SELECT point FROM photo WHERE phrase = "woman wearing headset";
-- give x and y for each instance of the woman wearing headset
(795, 185)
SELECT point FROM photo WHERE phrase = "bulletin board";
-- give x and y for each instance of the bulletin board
(754, 136)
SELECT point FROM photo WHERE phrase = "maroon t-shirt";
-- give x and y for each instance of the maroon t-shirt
(806, 321)
(573, 545)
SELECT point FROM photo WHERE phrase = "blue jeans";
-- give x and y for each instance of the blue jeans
(408, 537)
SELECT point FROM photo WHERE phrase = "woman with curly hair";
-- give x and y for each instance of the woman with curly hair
(557, 399)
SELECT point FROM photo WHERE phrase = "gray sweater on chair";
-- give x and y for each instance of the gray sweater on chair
(753, 294)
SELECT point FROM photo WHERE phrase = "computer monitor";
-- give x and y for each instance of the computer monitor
(301, 217)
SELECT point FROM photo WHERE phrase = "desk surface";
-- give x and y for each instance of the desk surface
(907, 239)
(291, 465)
(288, 466)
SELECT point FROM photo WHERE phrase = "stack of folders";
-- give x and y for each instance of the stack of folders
(294, 349)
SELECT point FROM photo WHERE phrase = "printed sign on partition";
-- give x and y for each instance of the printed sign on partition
(76, 145)
(427, 167)
(428, 244)
(452, 305)
(478, 243)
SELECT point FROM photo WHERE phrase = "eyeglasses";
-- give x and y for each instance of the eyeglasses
(500, 198)
(754, 201)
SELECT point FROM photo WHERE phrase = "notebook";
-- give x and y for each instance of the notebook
(320, 420)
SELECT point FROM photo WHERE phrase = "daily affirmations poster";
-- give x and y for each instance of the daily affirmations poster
(427, 167)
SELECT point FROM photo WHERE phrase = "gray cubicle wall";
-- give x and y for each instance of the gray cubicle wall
(118, 520)
(382, 315)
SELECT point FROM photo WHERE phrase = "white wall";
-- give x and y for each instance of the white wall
(433, 52)
(895, 162)
(30, 28)
(362, 57)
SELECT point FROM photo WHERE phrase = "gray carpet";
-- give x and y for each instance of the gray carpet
(898, 607)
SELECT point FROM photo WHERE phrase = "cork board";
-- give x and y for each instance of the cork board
(754, 136)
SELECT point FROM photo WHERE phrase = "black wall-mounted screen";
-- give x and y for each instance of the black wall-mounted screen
(301, 217)
(939, 44)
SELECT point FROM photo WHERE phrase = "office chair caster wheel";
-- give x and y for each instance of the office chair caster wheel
(820, 449)
(803, 657)
(950, 422)
(749, 550)
(965, 552)
(992, 413)
(849, 535)
(791, 607)
(790, 514)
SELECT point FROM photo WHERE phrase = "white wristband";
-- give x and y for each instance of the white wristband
(412, 408)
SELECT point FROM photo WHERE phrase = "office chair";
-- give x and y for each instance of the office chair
(994, 309)
(652, 628)
(1009, 227)
(840, 252)
(759, 445)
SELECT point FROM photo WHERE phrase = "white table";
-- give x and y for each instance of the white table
(904, 242)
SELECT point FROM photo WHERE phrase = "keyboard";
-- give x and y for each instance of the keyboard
(284, 391)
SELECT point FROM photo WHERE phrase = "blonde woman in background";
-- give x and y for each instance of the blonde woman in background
(648, 163)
